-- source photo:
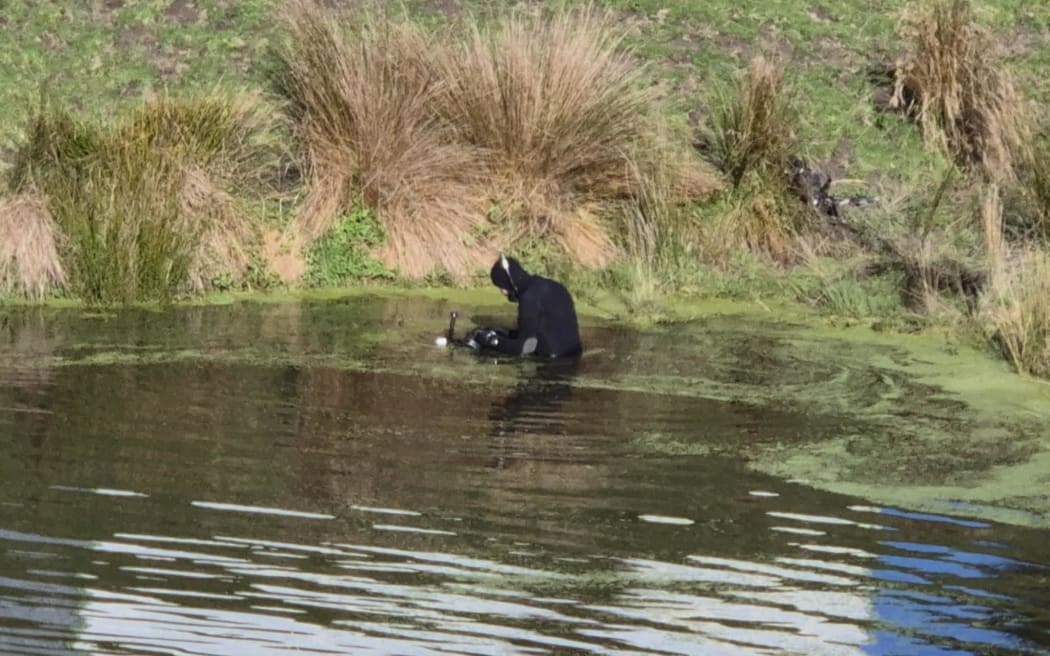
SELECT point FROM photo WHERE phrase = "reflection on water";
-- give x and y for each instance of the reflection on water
(278, 480)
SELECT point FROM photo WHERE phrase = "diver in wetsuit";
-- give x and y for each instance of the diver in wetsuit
(547, 323)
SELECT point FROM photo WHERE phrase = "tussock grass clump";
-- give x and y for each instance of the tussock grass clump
(225, 152)
(559, 111)
(231, 136)
(759, 216)
(144, 205)
(952, 82)
(226, 235)
(115, 201)
(992, 232)
(465, 142)
(751, 127)
(1040, 186)
(363, 101)
(657, 233)
(29, 248)
(751, 141)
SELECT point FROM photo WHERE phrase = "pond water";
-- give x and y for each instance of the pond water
(318, 478)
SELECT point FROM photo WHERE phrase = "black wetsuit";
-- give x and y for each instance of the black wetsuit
(547, 324)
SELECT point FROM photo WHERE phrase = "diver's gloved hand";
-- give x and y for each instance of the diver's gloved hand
(483, 337)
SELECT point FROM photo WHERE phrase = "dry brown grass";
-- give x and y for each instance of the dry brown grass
(991, 211)
(557, 108)
(930, 236)
(29, 248)
(1016, 310)
(760, 218)
(227, 234)
(1034, 185)
(228, 135)
(1015, 304)
(536, 121)
(215, 144)
(657, 233)
(957, 88)
(363, 102)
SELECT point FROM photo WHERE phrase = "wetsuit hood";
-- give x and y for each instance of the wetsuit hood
(514, 278)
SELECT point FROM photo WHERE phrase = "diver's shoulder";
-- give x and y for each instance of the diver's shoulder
(541, 282)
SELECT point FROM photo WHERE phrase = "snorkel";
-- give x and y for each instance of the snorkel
(503, 262)
(451, 334)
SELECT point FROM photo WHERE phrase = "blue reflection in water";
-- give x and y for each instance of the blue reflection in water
(893, 576)
(368, 599)
(894, 644)
(930, 566)
(930, 517)
(928, 624)
(974, 592)
(990, 561)
(937, 617)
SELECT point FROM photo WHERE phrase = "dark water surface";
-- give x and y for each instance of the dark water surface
(284, 479)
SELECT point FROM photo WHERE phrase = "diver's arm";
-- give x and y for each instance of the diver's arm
(526, 339)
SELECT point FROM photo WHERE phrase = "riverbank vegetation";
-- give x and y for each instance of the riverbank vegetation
(883, 164)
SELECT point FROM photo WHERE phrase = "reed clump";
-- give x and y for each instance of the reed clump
(953, 83)
(1015, 303)
(147, 208)
(752, 140)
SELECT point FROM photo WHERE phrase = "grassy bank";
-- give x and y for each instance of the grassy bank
(168, 149)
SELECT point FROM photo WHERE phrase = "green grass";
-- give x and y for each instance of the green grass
(92, 55)
(343, 254)
(854, 296)
(92, 58)
(97, 59)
